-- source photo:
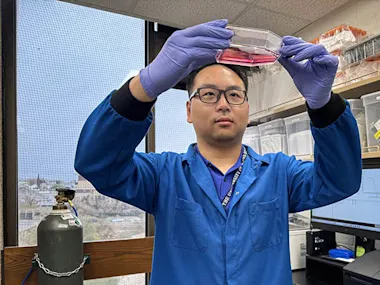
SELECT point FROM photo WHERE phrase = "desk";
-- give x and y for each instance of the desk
(299, 278)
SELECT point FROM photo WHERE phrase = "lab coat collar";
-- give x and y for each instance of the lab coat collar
(248, 176)
(202, 176)
(256, 156)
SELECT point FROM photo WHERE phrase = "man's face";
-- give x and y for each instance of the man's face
(219, 122)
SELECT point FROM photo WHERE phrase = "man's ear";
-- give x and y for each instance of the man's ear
(188, 112)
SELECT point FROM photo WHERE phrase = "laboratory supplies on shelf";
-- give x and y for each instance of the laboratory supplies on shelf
(342, 62)
(299, 224)
(252, 138)
(299, 220)
(251, 47)
(297, 248)
(300, 139)
(336, 41)
(358, 111)
(371, 104)
(341, 37)
(277, 79)
(366, 50)
(357, 73)
(376, 131)
(273, 137)
(255, 91)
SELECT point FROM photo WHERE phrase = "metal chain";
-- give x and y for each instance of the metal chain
(57, 274)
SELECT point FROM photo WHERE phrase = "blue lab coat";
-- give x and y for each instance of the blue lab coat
(197, 241)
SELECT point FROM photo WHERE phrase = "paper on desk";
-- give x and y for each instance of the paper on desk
(349, 260)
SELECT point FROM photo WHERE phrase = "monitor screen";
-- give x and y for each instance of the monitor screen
(359, 214)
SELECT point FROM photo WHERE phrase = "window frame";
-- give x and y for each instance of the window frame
(9, 93)
(9, 97)
(9, 117)
(155, 37)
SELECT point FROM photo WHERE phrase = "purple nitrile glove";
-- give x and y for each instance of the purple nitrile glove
(184, 51)
(315, 77)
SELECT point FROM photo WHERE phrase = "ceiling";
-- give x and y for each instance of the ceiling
(282, 17)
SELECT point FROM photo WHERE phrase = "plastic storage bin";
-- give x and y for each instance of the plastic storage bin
(371, 104)
(251, 47)
(273, 137)
(252, 138)
(300, 139)
(357, 109)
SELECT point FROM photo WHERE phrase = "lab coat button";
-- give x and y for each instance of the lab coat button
(237, 193)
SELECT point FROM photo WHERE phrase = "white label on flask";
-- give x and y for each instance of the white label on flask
(63, 226)
(75, 222)
(67, 216)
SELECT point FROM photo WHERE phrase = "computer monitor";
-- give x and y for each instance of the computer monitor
(357, 215)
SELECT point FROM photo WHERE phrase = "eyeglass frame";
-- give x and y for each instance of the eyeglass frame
(196, 93)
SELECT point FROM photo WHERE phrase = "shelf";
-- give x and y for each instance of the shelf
(365, 155)
(360, 88)
(281, 111)
(306, 157)
(347, 91)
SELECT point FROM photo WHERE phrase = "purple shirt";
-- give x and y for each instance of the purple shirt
(222, 181)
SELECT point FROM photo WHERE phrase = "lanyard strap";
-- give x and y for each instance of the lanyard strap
(227, 198)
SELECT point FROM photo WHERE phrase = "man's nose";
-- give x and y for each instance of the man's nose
(222, 104)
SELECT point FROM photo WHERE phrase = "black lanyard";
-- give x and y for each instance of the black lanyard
(227, 198)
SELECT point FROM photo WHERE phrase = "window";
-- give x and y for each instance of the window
(69, 58)
(173, 132)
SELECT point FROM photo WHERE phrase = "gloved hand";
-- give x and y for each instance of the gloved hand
(314, 78)
(183, 52)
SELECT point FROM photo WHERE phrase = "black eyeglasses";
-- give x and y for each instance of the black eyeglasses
(212, 95)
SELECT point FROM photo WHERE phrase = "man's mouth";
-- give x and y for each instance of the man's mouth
(224, 120)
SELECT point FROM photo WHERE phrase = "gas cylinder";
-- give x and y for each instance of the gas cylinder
(60, 244)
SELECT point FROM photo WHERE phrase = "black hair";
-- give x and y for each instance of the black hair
(239, 70)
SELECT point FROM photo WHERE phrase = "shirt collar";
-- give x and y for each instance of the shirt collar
(192, 151)
(237, 163)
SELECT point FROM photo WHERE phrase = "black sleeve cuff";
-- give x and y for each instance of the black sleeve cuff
(128, 106)
(329, 113)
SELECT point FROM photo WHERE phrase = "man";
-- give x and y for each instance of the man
(221, 210)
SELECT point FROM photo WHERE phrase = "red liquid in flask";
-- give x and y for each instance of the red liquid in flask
(236, 56)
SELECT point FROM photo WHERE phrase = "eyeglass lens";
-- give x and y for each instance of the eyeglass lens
(211, 95)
